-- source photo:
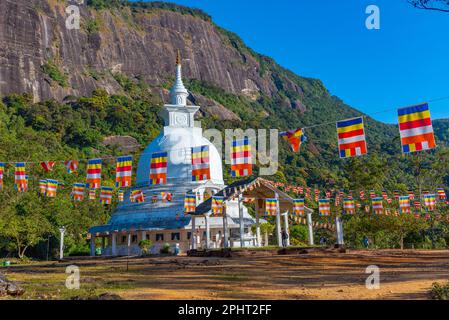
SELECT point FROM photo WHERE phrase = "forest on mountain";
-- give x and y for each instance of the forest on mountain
(77, 127)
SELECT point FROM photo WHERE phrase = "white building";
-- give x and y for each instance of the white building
(165, 222)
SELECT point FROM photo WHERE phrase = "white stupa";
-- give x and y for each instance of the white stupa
(165, 222)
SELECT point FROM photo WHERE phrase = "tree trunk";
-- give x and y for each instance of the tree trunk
(401, 242)
(266, 239)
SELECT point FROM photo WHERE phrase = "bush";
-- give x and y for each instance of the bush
(440, 292)
(145, 246)
(52, 70)
(165, 249)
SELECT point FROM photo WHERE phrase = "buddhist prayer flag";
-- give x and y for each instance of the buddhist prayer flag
(189, 203)
(378, 206)
(20, 178)
(324, 207)
(42, 187)
(348, 206)
(48, 165)
(121, 196)
(295, 138)
(351, 138)
(124, 169)
(415, 126)
(92, 194)
(362, 195)
(271, 206)
(241, 163)
(158, 168)
(2, 172)
(217, 206)
(166, 196)
(52, 186)
(404, 204)
(71, 165)
(106, 195)
(154, 198)
(137, 196)
(430, 201)
(78, 192)
(94, 173)
(298, 207)
(372, 194)
(441, 194)
(411, 195)
(200, 163)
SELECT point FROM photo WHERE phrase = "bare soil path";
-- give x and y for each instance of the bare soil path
(318, 275)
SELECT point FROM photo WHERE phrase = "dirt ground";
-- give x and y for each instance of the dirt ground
(316, 275)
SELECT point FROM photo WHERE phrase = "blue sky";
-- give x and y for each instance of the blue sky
(403, 63)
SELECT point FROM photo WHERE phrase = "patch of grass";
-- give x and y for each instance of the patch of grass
(52, 70)
(440, 291)
(92, 26)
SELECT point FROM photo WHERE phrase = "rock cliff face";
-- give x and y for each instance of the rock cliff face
(38, 54)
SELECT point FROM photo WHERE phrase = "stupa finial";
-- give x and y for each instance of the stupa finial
(178, 58)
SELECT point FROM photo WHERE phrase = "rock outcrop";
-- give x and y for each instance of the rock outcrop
(40, 55)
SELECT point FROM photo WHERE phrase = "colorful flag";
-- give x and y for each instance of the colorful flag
(92, 194)
(121, 196)
(71, 165)
(158, 169)
(384, 195)
(94, 173)
(20, 178)
(200, 163)
(430, 201)
(396, 194)
(106, 195)
(48, 165)
(271, 207)
(2, 172)
(189, 203)
(362, 195)
(78, 191)
(217, 206)
(324, 207)
(298, 207)
(378, 206)
(411, 195)
(154, 198)
(295, 138)
(52, 186)
(404, 204)
(351, 138)
(241, 163)
(441, 194)
(43, 187)
(372, 194)
(348, 206)
(166, 196)
(137, 196)
(124, 170)
(415, 126)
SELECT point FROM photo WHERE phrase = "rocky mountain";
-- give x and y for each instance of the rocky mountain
(122, 46)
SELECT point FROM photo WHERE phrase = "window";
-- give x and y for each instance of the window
(134, 238)
(147, 236)
(159, 237)
(189, 235)
(175, 236)
(123, 239)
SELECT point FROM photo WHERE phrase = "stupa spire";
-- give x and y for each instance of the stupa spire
(178, 93)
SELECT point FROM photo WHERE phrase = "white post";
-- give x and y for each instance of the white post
(310, 225)
(242, 226)
(206, 220)
(144, 235)
(286, 229)
(339, 230)
(258, 238)
(278, 222)
(129, 243)
(61, 243)
(225, 229)
(192, 235)
(114, 244)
